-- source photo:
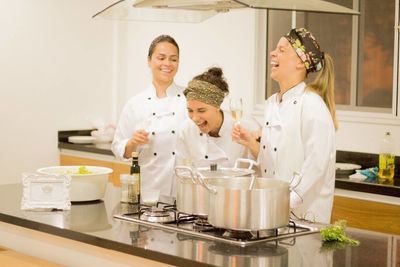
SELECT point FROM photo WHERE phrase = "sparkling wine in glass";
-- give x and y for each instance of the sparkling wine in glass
(236, 108)
(145, 125)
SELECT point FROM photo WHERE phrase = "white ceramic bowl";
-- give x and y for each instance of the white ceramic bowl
(84, 187)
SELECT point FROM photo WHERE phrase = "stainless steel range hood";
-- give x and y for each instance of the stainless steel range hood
(199, 10)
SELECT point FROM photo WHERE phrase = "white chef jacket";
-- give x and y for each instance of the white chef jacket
(157, 159)
(299, 136)
(203, 149)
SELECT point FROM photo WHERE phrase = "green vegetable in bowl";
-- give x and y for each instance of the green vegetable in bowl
(84, 170)
(81, 170)
(336, 233)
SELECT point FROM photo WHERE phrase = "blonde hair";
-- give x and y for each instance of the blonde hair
(324, 85)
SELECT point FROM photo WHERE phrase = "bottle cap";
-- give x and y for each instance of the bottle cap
(135, 154)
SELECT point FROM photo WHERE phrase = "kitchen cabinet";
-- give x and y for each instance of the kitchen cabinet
(87, 159)
(366, 214)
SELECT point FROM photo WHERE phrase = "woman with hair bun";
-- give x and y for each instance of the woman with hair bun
(206, 136)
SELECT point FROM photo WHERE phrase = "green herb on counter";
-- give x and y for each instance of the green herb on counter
(334, 236)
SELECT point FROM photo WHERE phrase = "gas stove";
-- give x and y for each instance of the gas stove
(166, 217)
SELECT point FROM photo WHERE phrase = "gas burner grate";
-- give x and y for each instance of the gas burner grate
(186, 225)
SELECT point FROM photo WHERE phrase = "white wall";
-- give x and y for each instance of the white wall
(55, 65)
(225, 40)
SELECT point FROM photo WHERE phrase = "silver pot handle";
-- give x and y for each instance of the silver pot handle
(185, 168)
(200, 180)
(242, 160)
(295, 182)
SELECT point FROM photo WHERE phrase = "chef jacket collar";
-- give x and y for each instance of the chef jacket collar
(294, 92)
(172, 90)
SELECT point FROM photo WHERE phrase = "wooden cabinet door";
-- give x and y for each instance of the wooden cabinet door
(120, 168)
(369, 215)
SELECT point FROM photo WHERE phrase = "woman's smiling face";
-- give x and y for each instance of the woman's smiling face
(164, 62)
(205, 116)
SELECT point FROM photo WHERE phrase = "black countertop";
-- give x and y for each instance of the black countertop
(364, 159)
(93, 223)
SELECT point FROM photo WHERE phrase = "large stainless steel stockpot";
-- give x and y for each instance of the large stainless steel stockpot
(233, 205)
(192, 198)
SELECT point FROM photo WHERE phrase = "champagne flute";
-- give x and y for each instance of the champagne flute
(236, 108)
(145, 125)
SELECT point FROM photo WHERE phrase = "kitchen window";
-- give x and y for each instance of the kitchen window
(364, 49)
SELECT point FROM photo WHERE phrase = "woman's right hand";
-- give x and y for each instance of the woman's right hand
(140, 137)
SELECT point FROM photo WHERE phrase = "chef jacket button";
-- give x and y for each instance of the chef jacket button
(267, 123)
(275, 149)
(153, 133)
(265, 170)
(179, 95)
(173, 153)
(201, 134)
(273, 172)
(263, 146)
(154, 113)
(173, 113)
(295, 102)
(173, 131)
(149, 98)
(155, 154)
(206, 156)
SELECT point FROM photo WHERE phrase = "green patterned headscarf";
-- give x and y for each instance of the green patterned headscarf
(307, 48)
(204, 92)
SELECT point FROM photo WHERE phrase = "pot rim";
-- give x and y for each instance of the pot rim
(280, 184)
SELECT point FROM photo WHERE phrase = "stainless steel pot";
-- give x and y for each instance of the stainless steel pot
(233, 205)
(192, 197)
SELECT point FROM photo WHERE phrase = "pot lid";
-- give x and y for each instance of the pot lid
(225, 172)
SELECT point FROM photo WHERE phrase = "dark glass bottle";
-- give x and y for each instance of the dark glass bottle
(135, 172)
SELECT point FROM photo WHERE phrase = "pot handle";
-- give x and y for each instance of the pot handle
(200, 180)
(295, 182)
(242, 160)
(185, 168)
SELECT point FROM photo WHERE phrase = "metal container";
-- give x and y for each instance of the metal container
(192, 198)
(233, 205)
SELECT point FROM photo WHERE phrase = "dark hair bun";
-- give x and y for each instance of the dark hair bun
(214, 75)
(215, 71)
